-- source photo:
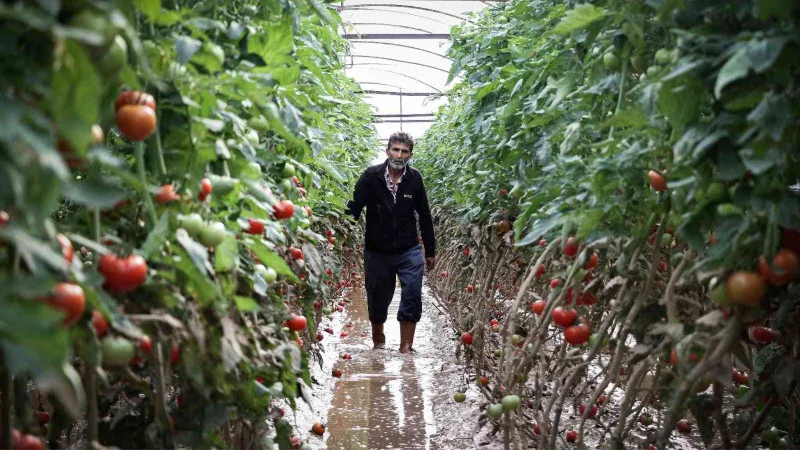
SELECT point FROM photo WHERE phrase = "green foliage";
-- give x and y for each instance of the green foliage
(240, 90)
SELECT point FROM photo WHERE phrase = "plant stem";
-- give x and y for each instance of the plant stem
(90, 383)
(96, 221)
(5, 404)
(139, 152)
(162, 166)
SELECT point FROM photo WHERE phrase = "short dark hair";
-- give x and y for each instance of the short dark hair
(401, 137)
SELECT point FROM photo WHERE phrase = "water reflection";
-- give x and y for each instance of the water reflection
(381, 402)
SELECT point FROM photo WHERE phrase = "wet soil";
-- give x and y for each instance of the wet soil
(386, 400)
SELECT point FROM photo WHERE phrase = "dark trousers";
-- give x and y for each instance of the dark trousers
(380, 271)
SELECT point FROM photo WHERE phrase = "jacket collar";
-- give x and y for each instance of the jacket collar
(380, 170)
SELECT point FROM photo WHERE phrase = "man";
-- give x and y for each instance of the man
(392, 192)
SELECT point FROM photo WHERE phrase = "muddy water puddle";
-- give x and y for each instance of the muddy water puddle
(386, 400)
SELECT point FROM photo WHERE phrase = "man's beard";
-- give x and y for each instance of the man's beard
(398, 164)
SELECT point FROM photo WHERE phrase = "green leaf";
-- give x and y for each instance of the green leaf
(274, 43)
(246, 304)
(94, 193)
(734, 69)
(150, 8)
(75, 96)
(226, 255)
(767, 9)
(580, 17)
(270, 259)
(197, 252)
(156, 237)
(680, 99)
(540, 227)
(186, 47)
(766, 356)
(631, 117)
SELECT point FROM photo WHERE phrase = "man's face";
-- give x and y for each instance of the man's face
(399, 154)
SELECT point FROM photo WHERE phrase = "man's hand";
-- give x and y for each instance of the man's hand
(430, 262)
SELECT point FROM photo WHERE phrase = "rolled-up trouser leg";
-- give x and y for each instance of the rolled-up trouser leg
(410, 268)
(380, 275)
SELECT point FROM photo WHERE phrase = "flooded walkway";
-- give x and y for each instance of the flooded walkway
(386, 400)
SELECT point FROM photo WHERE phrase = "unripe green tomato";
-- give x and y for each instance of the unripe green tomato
(502, 19)
(286, 185)
(639, 63)
(115, 58)
(782, 442)
(288, 170)
(510, 403)
(652, 71)
(193, 223)
(718, 295)
(663, 56)
(716, 191)
(95, 21)
(676, 259)
(666, 239)
(611, 61)
(270, 275)
(252, 137)
(215, 51)
(249, 10)
(459, 397)
(259, 123)
(494, 411)
(212, 234)
(729, 209)
(117, 351)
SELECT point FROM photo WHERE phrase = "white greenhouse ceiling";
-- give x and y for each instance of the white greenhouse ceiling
(397, 55)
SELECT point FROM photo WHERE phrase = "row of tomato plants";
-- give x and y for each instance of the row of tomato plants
(633, 194)
(169, 236)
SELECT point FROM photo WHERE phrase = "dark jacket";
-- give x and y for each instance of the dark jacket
(391, 225)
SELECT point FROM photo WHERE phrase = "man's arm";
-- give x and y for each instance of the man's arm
(356, 205)
(426, 226)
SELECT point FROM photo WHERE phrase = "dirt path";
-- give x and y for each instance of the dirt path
(385, 400)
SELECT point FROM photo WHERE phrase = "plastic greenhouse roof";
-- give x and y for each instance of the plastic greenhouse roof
(397, 55)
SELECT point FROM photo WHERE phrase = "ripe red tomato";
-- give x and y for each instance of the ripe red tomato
(68, 298)
(684, 427)
(146, 344)
(254, 227)
(571, 247)
(308, 209)
(587, 298)
(466, 338)
(564, 318)
(122, 274)
(337, 373)
(466, 251)
(4, 219)
(134, 98)
(536, 429)
(175, 354)
(136, 122)
(284, 209)
(484, 380)
(592, 410)
(296, 253)
(555, 282)
(296, 323)
(540, 271)
(570, 293)
(784, 268)
(318, 429)
(602, 399)
(745, 288)
(657, 181)
(662, 266)
(205, 186)
(572, 436)
(42, 417)
(542, 242)
(167, 194)
(30, 442)
(296, 181)
(503, 192)
(469, 288)
(443, 274)
(577, 334)
(763, 335)
(99, 323)
(740, 377)
(592, 262)
(538, 307)
(66, 247)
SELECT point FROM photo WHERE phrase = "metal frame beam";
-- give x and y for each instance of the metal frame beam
(405, 46)
(403, 115)
(406, 121)
(356, 36)
(394, 5)
(405, 13)
(399, 61)
(407, 94)
(403, 75)
(383, 24)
